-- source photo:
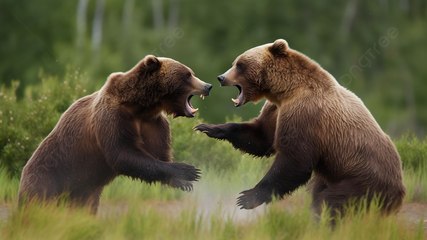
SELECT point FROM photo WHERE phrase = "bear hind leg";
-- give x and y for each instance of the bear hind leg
(317, 186)
(89, 200)
(337, 197)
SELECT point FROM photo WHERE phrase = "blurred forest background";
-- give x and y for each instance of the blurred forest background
(377, 48)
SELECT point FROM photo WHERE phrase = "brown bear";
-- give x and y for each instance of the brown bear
(315, 127)
(119, 130)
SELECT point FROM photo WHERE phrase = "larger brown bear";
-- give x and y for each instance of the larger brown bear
(118, 130)
(315, 127)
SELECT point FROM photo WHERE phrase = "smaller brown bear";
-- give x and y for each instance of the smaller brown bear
(118, 130)
(315, 127)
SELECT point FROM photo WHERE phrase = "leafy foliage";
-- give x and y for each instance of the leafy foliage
(26, 122)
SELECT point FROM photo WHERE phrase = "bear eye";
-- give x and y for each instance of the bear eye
(188, 75)
(240, 67)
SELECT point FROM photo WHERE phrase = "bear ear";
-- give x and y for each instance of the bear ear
(151, 63)
(279, 47)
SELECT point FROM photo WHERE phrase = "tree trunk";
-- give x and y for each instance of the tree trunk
(81, 24)
(408, 88)
(127, 19)
(348, 19)
(97, 26)
(158, 18)
(173, 14)
(125, 44)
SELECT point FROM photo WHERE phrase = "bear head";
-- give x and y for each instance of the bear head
(158, 83)
(265, 71)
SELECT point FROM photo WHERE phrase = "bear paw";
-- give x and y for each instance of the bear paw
(211, 130)
(182, 176)
(254, 197)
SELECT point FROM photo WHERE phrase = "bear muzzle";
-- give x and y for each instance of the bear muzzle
(207, 89)
(221, 79)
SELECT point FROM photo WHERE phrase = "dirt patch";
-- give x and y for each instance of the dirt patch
(168, 208)
(414, 213)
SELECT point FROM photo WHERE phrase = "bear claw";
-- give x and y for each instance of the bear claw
(211, 130)
(182, 176)
(252, 198)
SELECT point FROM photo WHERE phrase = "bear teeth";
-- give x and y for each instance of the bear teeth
(202, 96)
(236, 101)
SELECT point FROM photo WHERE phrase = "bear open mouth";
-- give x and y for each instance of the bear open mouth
(239, 100)
(189, 107)
(190, 110)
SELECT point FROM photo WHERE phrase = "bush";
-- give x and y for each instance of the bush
(25, 122)
(198, 149)
(413, 152)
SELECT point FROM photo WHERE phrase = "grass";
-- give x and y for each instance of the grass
(142, 221)
(133, 210)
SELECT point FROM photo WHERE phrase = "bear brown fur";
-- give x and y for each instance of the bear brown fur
(315, 127)
(119, 130)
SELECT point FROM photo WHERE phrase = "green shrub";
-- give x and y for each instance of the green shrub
(198, 149)
(25, 122)
(413, 152)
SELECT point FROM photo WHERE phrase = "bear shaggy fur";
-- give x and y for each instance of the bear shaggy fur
(118, 130)
(315, 127)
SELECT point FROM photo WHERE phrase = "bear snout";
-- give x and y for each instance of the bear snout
(207, 89)
(221, 79)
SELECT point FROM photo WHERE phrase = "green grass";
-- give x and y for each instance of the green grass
(134, 210)
(140, 220)
(9, 188)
